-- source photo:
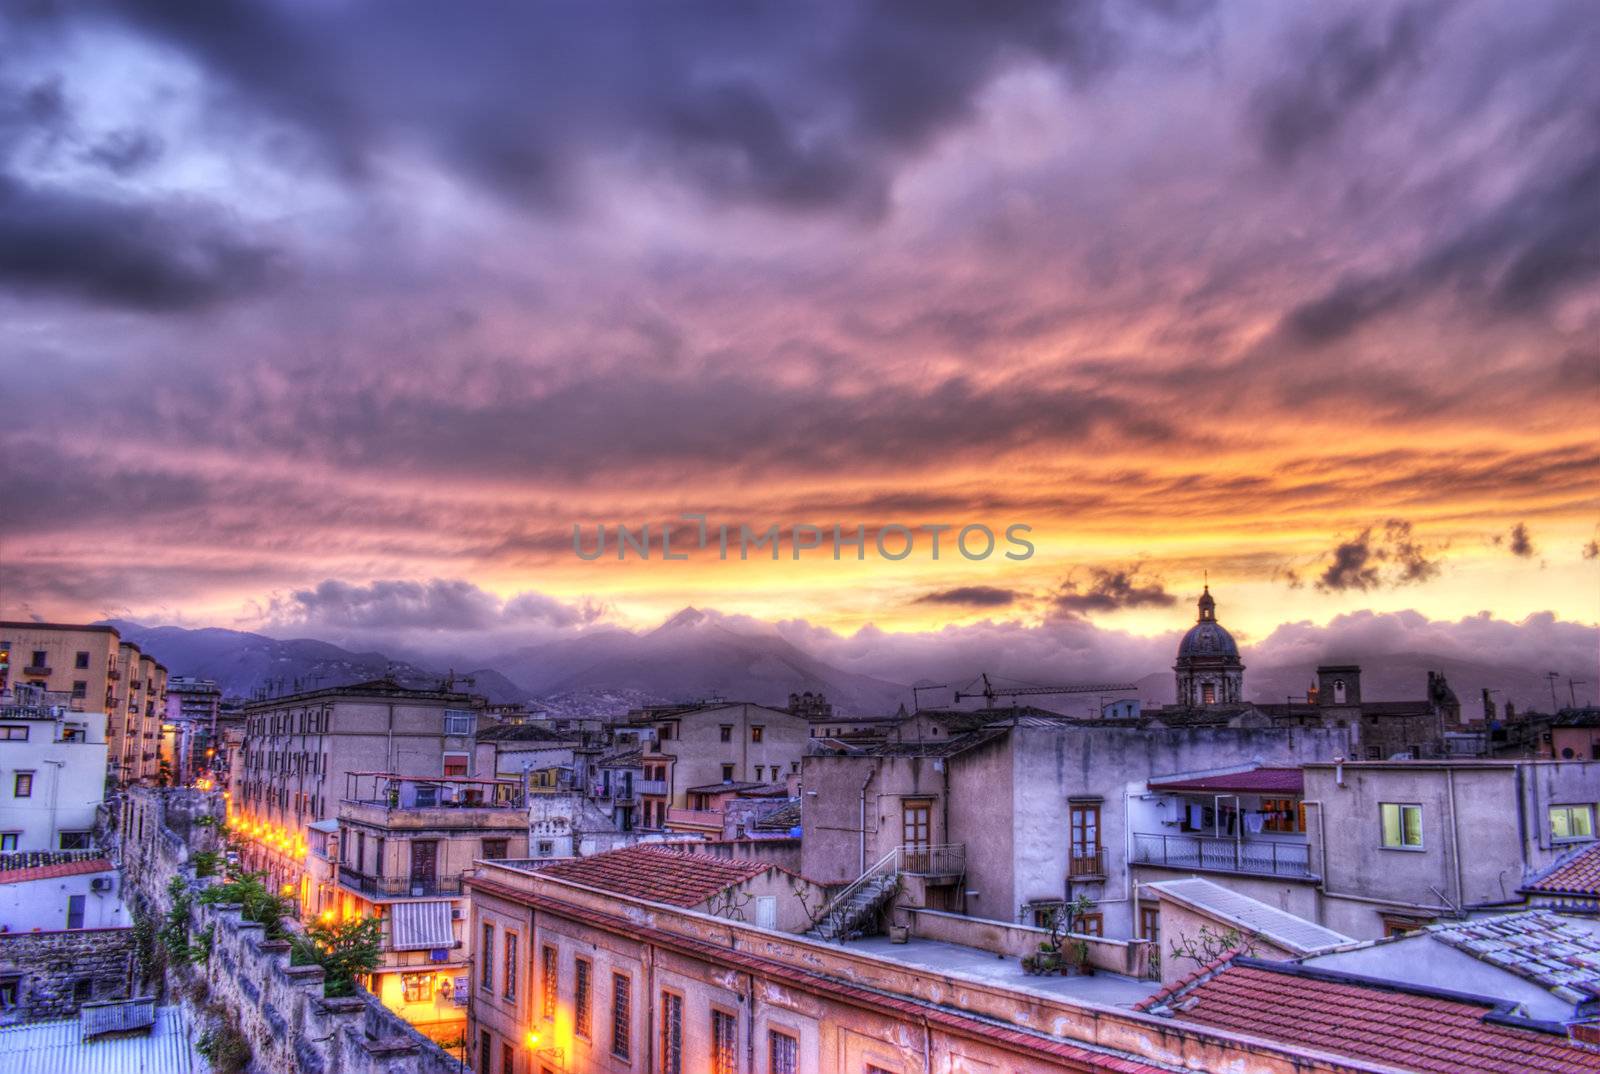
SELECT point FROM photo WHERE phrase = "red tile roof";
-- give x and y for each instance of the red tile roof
(1577, 875)
(1426, 1030)
(1255, 781)
(50, 872)
(658, 874)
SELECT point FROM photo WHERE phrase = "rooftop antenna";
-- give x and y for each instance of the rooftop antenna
(916, 693)
(1553, 676)
(1571, 688)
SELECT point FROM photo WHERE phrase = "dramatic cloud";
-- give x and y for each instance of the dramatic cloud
(971, 596)
(1380, 556)
(1522, 542)
(1110, 590)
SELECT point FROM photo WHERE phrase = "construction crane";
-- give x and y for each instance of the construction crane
(990, 692)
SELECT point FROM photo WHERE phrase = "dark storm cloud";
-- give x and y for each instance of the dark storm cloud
(1521, 542)
(1335, 73)
(124, 152)
(971, 596)
(792, 107)
(1387, 555)
(147, 257)
(434, 604)
(1110, 590)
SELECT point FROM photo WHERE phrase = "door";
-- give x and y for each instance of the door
(767, 911)
(916, 830)
(1085, 856)
(424, 866)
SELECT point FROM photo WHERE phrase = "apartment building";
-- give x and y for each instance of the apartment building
(643, 969)
(714, 742)
(193, 711)
(52, 771)
(401, 849)
(1399, 845)
(1009, 817)
(97, 671)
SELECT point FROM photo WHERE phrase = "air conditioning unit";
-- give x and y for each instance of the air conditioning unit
(455, 913)
(100, 883)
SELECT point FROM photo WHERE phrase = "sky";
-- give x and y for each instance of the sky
(324, 318)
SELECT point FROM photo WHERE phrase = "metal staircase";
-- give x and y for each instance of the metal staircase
(854, 911)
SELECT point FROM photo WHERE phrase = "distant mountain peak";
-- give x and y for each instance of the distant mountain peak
(688, 617)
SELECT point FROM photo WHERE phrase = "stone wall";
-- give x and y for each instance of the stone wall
(60, 971)
(247, 981)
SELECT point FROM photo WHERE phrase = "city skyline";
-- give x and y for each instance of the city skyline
(1295, 301)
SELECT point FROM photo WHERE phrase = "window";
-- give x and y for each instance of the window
(1338, 691)
(727, 773)
(22, 785)
(83, 990)
(1090, 925)
(664, 733)
(1283, 815)
(726, 731)
(1572, 822)
(757, 733)
(40, 659)
(1208, 693)
(1402, 826)
(10, 992)
(1085, 832)
(457, 722)
(80, 688)
(494, 849)
(784, 1051)
(485, 1052)
(621, 1029)
(416, 987)
(1150, 925)
(671, 1033)
(8, 840)
(548, 981)
(508, 1059)
(13, 734)
(455, 764)
(547, 847)
(511, 966)
(75, 841)
(486, 959)
(80, 660)
(75, 911)
(581, 1021)
(724, 1043)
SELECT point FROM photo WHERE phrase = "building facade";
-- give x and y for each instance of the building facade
(52, 772)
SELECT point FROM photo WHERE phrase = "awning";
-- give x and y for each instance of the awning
(420, 926)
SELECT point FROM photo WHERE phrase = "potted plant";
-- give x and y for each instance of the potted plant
(899, 933)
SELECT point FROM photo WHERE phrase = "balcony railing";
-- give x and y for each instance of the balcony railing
(1263, 857)
(651, 786)
(398, 887)
(699, 818)
(943, 859)
(1085, 862)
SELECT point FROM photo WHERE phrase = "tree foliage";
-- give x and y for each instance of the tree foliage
(344, 949)
(256, 898)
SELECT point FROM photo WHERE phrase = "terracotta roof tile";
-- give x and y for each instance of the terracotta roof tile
(1575, 875)
(1425, 1030)
(58, 869)
(658, 874)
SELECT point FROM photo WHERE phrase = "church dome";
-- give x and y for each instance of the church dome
(1208, 638)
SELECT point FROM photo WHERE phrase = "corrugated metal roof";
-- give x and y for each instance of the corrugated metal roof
(421, 926)
(59, 1048)
(116, 1016)
(1295, 934)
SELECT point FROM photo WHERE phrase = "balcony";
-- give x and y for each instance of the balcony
(657, 787)
(694, 818)
(41, 670)
(943, 859)
(1086, 863)
(398, 887)
(1255, 857)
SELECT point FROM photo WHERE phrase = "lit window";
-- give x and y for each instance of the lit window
(511, 965)
(757, 733)
(1572, 822)
(548, 982)
(22, 785)
(724, 1043)
(1402, 825)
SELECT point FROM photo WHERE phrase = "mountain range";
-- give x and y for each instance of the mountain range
(694, 655)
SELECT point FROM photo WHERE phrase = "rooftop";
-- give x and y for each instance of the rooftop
(1541, 946)
(51, 864)
(937, 956)
(1428, 1030)
(59, 1048)
(657, 873)
(1281, 928)
(1576, 874)
(1250, 781)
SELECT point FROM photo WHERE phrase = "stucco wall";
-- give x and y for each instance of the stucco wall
(1129, 957)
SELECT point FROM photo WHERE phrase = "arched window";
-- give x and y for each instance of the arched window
(1208, 693)
(1338, 691)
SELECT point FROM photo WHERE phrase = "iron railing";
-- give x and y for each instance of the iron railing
(1086, 861)
(941, 859)
(651, 786)
(398, 887)
(1264, 857)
